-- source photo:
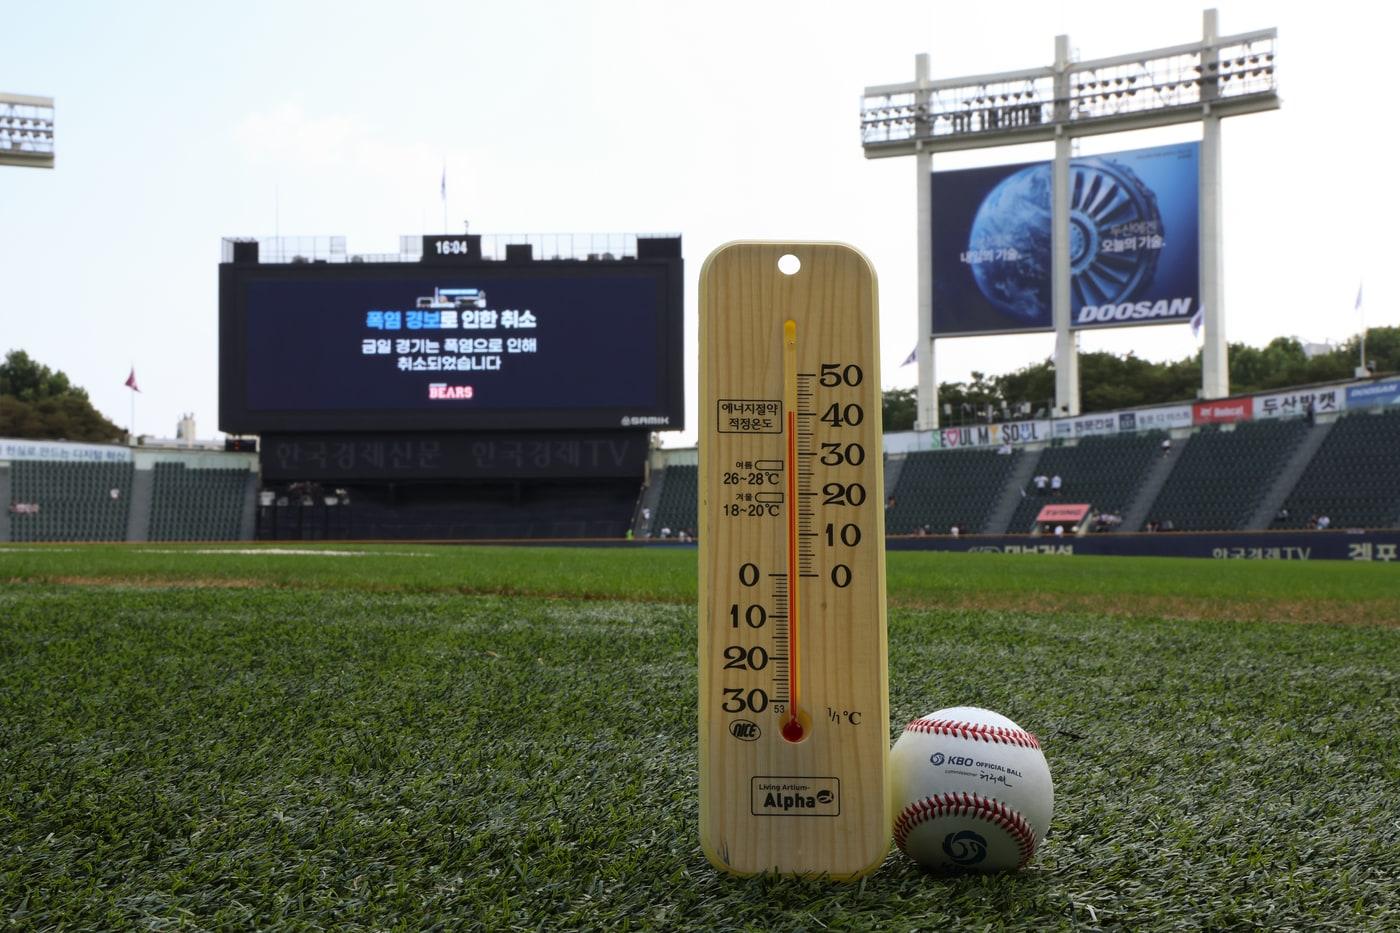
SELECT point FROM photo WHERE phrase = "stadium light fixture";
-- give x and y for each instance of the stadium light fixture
(26, 130)
(1215, 76)
(1227, 76)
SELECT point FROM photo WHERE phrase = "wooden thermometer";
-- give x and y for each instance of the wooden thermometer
(794, 706)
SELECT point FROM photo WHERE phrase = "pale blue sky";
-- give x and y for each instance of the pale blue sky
(178, 124)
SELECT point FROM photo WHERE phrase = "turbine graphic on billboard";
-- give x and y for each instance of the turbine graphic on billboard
(1133, 243)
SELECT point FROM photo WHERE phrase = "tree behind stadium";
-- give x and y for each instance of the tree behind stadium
(1108, 381)
(42, 404)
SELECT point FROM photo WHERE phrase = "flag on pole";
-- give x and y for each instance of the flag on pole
(131, 381)
(912, 357)
(1198, 320)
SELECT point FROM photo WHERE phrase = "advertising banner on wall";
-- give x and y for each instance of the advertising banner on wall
(1293, 404)
(1134, 243)
(1224, 411)
(994, 435)
(1373, 393)
(1087, 425)
(1156, 419)
(62, 451)
(1373, 546)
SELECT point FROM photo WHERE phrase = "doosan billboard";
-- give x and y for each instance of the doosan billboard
(1134, 243)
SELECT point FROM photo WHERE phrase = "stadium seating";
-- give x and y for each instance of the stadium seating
(75, 500)
(941, 488)
(196, 505)
(1353, 477)
(678, 504)
(467, 511)
(1222, 475)
(1103, 472)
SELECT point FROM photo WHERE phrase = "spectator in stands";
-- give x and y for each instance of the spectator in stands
(1004, 449)
(955, 531)
(1166, 446)
(1323, 523)
(1281, 517)
(1059, 531)
(1312, 521)
(1107, 521)
(889, 503)
(1055, 484)
(1040, 483)
(1168, 526)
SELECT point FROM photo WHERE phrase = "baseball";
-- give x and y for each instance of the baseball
(970, 789)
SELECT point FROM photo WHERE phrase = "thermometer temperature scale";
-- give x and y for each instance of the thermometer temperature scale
(794, 705)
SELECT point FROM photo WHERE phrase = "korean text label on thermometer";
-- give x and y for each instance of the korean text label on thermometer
(794, 706)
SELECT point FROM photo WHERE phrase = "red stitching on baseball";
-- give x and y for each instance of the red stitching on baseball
(972, 730)
(971, 805)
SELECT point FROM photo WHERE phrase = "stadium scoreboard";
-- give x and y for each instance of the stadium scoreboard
(452, 343)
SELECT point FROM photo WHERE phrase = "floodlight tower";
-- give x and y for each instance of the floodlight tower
(26, 130)
(1216, 76)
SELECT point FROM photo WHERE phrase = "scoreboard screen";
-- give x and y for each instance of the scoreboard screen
(489, 346)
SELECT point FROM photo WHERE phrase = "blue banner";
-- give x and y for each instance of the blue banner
(1134, 243)
(1368, 546)
(1374, 394)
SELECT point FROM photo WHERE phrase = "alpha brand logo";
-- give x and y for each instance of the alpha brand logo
(1135, 311)
(795, 796)
(745, 731)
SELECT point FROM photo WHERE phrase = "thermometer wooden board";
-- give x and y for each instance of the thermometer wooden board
(794, 702)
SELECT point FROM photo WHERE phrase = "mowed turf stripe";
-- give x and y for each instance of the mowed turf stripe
(354, 759)
(1335, 592)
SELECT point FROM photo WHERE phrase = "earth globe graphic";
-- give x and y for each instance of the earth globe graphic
(1010, 238)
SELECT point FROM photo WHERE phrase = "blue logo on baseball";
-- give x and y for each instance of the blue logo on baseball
(965, 848)
(936, 758)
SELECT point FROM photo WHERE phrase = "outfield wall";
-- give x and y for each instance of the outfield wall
(62, 491)
(1324, 401)
(1366, 546)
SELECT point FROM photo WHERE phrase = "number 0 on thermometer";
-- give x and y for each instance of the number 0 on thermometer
(794, 706)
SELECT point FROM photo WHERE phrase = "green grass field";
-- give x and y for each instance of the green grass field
(444, 737)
